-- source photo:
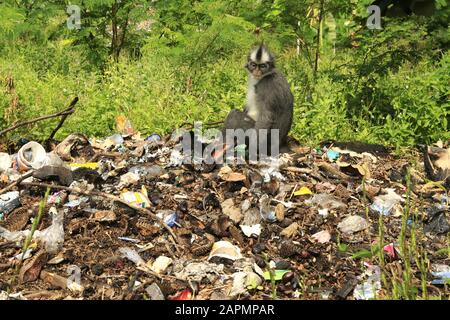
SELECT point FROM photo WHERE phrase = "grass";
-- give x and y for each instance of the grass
(36, 221)
(405, 277)
(413, 259)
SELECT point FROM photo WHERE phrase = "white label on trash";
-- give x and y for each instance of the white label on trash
(74, 279)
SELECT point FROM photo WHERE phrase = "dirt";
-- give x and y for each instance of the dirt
(196, 194)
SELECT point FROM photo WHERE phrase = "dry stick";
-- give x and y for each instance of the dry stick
(108, 196)
(5, 266)
(330, 169)
(15, 183)
(63, 118)
(21, 124)
(189, 126)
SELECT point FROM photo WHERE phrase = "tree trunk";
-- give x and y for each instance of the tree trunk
(319, 39)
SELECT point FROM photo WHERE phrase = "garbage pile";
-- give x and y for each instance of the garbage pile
(124, 218)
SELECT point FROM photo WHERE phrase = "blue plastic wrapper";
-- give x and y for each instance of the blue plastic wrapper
(442, 277)
(171, 219)
(268, 215)
(333, 155)
(154, 138)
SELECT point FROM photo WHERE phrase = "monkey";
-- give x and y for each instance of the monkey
(437, 163)
(269, 102)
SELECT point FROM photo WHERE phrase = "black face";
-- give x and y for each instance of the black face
(259, 70)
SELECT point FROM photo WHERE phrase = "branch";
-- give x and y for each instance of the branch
(13, 184)
(107, 196)
(63, 118)
(24, 123)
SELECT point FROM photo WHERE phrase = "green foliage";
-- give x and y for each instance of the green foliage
(182, 61)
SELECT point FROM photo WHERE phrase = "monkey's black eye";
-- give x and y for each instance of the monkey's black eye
(263, 66)
(252, 65)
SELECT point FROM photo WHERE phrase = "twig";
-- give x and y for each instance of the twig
(332, 170)
(65, 112)
(63, 118)
(297, 170)
(6, 266)
(108, 196)
(15, 183)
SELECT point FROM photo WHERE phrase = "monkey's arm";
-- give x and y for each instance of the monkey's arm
(266, 121)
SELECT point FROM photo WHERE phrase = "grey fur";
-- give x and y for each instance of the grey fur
(269, 101)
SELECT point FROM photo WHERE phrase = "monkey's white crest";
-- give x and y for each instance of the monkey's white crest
(261, 55)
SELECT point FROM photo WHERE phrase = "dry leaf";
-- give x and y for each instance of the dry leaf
(279, 212)
(229, 209)
(291, 230)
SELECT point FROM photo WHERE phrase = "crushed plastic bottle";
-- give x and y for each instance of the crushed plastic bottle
(9, 201)
(131, 255)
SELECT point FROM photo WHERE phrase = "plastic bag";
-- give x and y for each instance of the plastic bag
(53, 236)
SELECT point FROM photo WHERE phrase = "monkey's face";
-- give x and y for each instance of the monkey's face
(258, 70)
(260, 63)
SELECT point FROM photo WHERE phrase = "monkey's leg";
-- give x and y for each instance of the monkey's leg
(264, 127)
(235, 120)
(238, 120)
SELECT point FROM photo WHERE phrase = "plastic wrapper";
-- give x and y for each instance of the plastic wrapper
(131, 255)
(5, 161)
(385, 203)
(53, 236)
(326, 201)
(15, 236)
(353, 224)
(225, 249)
(138, 199)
